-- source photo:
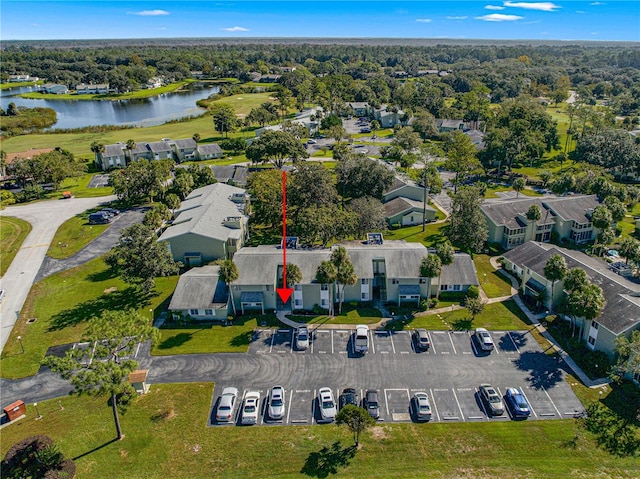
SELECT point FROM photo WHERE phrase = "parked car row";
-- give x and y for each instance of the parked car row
(514, 399)
(104, 216)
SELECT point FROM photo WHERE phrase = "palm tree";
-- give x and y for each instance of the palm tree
(327, 274)
(630, 249)
(131, 145)
(447, 255)
(98, 150)
(575, 280)
(430, 267)
(196, 138)
(228, 274)
(519, 185)
(555, 269)
(294, 275)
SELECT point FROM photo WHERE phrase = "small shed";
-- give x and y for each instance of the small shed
(15, 410)
(138, 380)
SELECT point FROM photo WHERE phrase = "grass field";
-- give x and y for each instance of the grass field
(505, 316)
(413, 234)
(62, 303)
(166, 437)
(210, 338)
(493, 283)
(74, 234)
(350, 315)
(13, 232)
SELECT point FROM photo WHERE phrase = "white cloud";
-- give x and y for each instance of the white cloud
(597, 3)
(457, 18)
(499, 17)
(542, 6)
(423, 20)
(235, 29)
(149, 13)
(494, 7)
(580, 11)
(594, 33)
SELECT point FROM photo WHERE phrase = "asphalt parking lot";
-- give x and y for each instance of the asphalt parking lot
(450, 372)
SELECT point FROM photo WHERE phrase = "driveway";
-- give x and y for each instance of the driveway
(45, 218)
(97, 247)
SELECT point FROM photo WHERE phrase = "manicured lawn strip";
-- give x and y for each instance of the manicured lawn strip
(243, 103)
(414, 234)
(210, 338)
(6, 86)
(491, 191)
(62, 303)
(166, 437)
(79, 187)
(13, 232)
(505, 316)
(492, 281)
(74, 234)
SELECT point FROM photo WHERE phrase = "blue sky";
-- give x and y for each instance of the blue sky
(557, 20)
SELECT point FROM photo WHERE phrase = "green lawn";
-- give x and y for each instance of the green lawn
(491, 191)
(350, 315)
(210, 338)
(62, 303)
(166, 437)
(414, 234)
(492, 281)
(6, 86)
(505, 316)
(74, 234)
(13, 232)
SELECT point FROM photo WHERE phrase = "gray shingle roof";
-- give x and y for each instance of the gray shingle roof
(402, 260)
(158, 146)
(114, 150)
(203, 212)
(401, 204)
(397, 183)
(209, 149)
(185, 144)
(461, 271)
(259, 265)
(505, 212)
(573, 207)
(622, 310)
(199, 288)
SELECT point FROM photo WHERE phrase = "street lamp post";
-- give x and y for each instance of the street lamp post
(151, 314)
(21, 345)
(60, 245)
(38, 415)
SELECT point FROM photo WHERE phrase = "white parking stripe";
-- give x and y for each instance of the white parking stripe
(486, 415)
(291, 349)
(332, 341)
(451, 340)
(514, 343)
(373, 346)
(289, 408)
(392, 345)
(313, 407)
(458, 402)
(433, 403)
(552, 403)
(473, 345)
(530, 406)
(273, 337)
(311, 334)
(431, 341)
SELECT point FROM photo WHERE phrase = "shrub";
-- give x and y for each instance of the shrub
(473, 291)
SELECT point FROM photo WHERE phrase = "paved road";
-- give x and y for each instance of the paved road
(45, 218)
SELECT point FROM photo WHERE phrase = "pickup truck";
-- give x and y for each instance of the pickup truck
(361, 341)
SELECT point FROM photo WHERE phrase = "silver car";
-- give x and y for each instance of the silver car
(302, 338)
(484, 339)
(492, 399)
(227, 405)
(421, 406)
(276, 403)
(251, 408)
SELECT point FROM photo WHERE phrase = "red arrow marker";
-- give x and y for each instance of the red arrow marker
(284, 293)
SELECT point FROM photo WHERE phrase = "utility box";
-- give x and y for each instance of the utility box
(138, 380)
(15, 410)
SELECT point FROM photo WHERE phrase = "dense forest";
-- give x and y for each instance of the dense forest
(507, 70)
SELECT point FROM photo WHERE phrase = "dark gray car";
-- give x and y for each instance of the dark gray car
(370, 403)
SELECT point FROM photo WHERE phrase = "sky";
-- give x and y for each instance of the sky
(503, 20)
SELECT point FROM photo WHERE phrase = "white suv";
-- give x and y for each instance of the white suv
(276, 403)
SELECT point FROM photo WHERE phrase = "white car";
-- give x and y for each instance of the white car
(302, 338)
(227, 405)
(484, 339)
(327, 405)
(421, 406)
(276, 403)
(251, 408)
(361, 339)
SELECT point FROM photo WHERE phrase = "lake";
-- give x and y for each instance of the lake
(139, 112)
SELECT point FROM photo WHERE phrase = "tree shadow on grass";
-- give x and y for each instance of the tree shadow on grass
(242, 339)
(175, 341)
(462, 324)
(130, 298)
(545, 371)
(104, 275)
(327, 460)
